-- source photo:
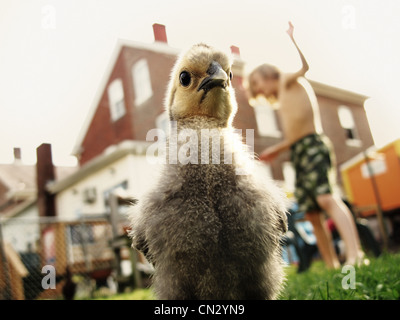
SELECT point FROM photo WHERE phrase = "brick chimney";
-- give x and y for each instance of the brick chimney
(238, 66)
(44, 174)
(160, 35)
(235, 50)
(17, 155)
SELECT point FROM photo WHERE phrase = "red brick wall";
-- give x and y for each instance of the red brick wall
(333, 129)
(245, 117)
(103, 132)
(160, 65)
(138, 120)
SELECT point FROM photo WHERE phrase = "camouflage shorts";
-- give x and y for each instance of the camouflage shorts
(313, 161)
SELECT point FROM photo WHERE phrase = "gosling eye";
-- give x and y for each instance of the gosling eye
(185, 78)
(230, 75)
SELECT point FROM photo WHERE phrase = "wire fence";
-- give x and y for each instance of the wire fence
(50, 258)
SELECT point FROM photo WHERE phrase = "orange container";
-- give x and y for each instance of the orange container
(358, 182)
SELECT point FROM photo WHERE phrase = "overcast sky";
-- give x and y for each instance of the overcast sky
(53, 55)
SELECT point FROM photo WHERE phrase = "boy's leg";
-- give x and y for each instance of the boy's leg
(345, 225)
(324, 239)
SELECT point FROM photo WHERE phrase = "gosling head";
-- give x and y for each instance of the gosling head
(201, 85)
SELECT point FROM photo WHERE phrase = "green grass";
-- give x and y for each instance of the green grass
(137, 294)
(378, 281)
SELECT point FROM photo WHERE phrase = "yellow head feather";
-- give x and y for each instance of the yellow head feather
(200, 85)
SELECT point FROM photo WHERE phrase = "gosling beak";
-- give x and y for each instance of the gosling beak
(217, 78)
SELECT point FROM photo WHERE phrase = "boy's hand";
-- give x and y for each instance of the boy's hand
(290, 30)
(269, 154)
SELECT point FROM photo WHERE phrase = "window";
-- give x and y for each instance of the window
(162, 122)
(106, 196)
(347, 122)
(266, 118)
(116, 99)
(90, 195)
(141, 82)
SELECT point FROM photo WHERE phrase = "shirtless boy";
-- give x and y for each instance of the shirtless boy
(311, 154)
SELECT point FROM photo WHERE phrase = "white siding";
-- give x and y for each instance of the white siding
(22, 230)
(136, 170)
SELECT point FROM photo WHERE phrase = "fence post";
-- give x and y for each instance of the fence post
(113, 202)
(381, 221)
(7, 294)
(115, 199)
(136, 274)
(84, 242)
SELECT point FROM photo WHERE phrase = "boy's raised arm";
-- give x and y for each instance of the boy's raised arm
(292, 77)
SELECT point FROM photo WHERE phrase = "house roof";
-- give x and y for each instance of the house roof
(18, 176)
(18, 208)
(20, 182)
(325, 90)
(110, 155)
(23, 177)
(157, 46)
